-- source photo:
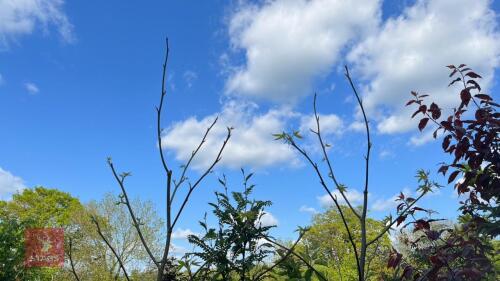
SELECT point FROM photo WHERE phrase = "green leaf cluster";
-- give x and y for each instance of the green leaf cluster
(233, 248)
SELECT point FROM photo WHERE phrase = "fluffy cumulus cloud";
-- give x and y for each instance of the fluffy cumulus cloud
(22, 17)
(409, 52)
(251, 144)
(9, 184)
(289, 43)
(353, 196)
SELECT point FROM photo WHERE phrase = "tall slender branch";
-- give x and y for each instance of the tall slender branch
(362, 257)
(126, 201)
(122, 266)
(368, 143)
(327, 159)
(70, 256)
(335, 201)
(160, 106)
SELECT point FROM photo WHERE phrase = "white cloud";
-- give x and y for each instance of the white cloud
(32, 88)
(353, 196)
(9, 184)
(306, 209)
(289, 43)
(409, 53)
(252, 143)
(182, 233)
(329, 124)
(22, 17)
(357, 126)
(267, 219)
(189, 77)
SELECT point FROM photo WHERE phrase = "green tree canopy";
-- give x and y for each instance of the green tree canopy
(33, 208)
(326, 246)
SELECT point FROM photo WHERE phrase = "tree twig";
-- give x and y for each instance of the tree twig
(193, 154)
(207, 171)
(335, 201)
(159, 108)
(364, 246)
(327, 159)
(70, 256)
(122, 266)
(126, 201)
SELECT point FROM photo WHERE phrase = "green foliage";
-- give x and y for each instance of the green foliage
(33, 208)
(326, 246)
(43, 207)
(233, 248)
(94, 260)
(11, 245)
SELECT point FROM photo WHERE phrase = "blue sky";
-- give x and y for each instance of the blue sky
(79, 82)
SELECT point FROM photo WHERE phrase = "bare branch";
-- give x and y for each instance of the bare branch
(327, 159)
(70, 256)
(122, 266)
(192, 187)
(159, 108)
(364, 246)
(193, 154)
(325, 187)
(126, 201)
(368, 143)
